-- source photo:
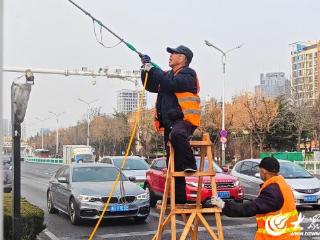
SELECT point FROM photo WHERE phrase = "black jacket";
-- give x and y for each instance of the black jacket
(166, 84)
(269, 200)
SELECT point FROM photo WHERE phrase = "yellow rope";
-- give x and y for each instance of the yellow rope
(137, 118)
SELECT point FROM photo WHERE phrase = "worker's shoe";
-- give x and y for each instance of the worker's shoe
(191, 169)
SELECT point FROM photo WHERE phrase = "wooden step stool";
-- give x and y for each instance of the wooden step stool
(193, 211)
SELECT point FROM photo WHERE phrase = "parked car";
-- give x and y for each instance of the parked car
(7, 174)
(80, 190)
(305, 187)
(135, 166)
(227, 186)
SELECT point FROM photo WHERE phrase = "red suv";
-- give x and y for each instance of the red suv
(228, 186)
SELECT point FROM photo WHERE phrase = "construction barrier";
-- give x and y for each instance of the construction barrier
(44, 160)
(290, 156)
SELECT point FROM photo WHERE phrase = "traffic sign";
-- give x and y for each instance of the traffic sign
(223, 139)
(223, 133)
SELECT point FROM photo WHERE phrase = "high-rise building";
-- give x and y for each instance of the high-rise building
(272, 85)
(128, 100)
(305, 78)
(6, 127)
(24, 130)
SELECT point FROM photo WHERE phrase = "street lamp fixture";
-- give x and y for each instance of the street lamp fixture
(57, 115)
(29, 76)
(88, 117)
(223, 131)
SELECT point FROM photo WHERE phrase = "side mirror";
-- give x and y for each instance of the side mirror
(63, 180)
(257, 175)
(225, 169)
(132, 178)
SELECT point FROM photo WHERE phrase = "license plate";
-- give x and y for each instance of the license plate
(119, 208)
(223, 194)
(311, 198)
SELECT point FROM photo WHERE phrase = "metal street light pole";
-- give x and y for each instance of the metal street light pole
(223, 60)
(20, 93)
(57, 138)
(41, 120)
(88, 118)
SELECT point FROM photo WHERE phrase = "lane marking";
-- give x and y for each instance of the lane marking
(50, 234)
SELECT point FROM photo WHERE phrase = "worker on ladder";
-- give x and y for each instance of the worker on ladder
(177, 108)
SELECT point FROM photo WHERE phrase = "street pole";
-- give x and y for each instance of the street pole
(88, 117)
(20, 93)
(88, 128)
(223, 145)
(224, 59)
(57, 131)
(41, 120)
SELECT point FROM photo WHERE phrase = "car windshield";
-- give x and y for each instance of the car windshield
(95, 174)
(84, 157)
(131, 164)
(291, 170)
(216, 167)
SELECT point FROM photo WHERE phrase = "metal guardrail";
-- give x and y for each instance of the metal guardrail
(44, 160)
(311, 166)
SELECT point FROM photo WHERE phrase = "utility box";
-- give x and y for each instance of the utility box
(77, 153)
(291, 156)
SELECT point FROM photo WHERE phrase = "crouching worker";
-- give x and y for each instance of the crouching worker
(274, 206)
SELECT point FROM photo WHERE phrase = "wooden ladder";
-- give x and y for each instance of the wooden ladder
(192, 214)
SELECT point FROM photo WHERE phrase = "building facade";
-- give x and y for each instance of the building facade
(6, 127)
(305, 78)
(7, 132)
(128, 100)
(273, 85)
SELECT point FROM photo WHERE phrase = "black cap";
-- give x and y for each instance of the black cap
(270, 164)
(182, 50)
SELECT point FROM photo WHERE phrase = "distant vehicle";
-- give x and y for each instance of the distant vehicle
(7, 174)
(80, 190)
(305, 187)
(135, 166)
(77, 153)
(228, 187)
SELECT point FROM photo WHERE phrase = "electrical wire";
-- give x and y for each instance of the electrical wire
(101, 40)
(136, 122)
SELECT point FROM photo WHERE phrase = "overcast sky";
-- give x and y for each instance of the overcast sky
(53, 34)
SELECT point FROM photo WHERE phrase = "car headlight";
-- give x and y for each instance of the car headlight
(86, 198)
(236, 183)
(143, 196)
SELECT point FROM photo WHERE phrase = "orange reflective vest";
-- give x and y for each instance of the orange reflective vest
(282, 224)
(190, 106)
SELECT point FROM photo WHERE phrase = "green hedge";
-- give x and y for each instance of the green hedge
(32, 219)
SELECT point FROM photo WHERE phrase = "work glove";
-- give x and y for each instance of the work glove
(216, 201)
(145, 59)
(147, 67)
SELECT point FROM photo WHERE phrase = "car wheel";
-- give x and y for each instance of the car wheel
(51, 208)
(73, 214)
(140, 219)
(153, 198)
(316, 207)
